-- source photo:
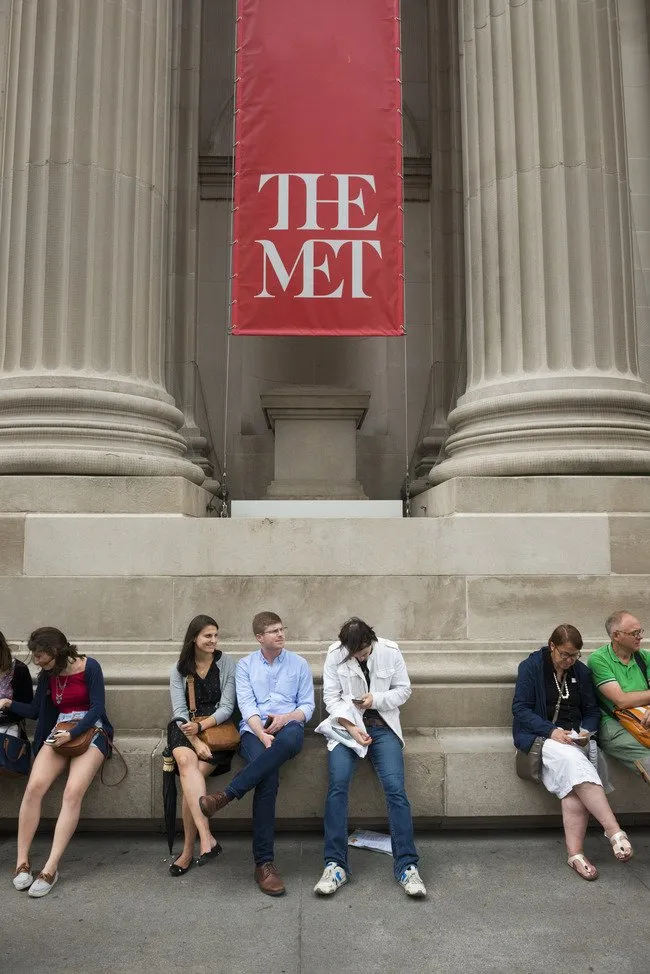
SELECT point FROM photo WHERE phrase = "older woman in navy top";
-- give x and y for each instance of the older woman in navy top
(70, 687)
(555, 673)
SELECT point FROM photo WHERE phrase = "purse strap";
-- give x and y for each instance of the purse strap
(559, 698)
(641, 663)
(192, 695)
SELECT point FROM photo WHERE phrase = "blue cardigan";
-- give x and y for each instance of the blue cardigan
(43, 709)
(529, 703)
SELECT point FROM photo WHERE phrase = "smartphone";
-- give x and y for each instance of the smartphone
(269, 721)
(358, 700)
(50, 739)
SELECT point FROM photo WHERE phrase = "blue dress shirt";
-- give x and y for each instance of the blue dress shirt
(279, 687)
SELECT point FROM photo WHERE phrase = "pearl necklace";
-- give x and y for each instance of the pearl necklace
(564, 689)
(59, 688)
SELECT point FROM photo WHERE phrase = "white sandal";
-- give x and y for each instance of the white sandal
(621, 846)
(580, 858)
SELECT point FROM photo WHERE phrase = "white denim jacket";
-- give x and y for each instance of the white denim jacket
(343, 681)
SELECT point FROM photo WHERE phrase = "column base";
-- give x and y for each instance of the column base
(595, 431)
(102, 495)
(92, 432)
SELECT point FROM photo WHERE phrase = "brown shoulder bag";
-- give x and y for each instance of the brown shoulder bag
(221, 737)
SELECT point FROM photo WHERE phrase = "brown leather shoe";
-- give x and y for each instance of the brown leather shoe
(209, 804)
(268, 879)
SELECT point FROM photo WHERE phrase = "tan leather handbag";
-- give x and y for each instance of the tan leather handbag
(630, 719)
(221, 737)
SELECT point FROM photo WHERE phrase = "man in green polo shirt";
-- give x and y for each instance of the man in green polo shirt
(620, 683)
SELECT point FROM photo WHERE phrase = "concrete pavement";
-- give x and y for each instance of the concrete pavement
(497, 904)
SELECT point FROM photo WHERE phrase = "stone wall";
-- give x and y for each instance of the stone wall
(467, 591)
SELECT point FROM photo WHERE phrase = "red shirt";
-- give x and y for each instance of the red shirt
(70, 693)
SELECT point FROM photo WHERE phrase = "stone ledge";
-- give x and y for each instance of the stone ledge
(455, 775)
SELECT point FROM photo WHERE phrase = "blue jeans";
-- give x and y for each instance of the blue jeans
(262, 774)
(385, 754)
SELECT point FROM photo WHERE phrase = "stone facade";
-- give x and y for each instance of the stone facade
(527, 196)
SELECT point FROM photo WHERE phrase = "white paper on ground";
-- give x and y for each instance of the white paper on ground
(366, 839)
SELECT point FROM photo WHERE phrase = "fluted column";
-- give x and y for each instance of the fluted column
(83, 253)
(634, 17)
(447, 255)
(553, 380)
(183, 376)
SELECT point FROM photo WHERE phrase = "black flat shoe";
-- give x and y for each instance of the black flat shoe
(175, 870)
(207, 856)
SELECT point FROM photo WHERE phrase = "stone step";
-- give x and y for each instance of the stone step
(454, 775)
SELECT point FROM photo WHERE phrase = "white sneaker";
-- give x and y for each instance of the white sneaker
(24, 877)
(333, 877)
(43, 884)
(412, 882)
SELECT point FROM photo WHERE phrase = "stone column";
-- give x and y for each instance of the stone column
(83, 254)
(447, 254)
(634, 16)
(183, 377)
(553, 379)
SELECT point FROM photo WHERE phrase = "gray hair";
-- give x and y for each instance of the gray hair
(615, 620)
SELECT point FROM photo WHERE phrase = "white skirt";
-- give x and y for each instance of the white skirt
(564, 766)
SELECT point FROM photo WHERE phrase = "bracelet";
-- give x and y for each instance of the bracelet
(198, 724)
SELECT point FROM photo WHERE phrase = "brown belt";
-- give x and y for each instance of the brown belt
(374, 722)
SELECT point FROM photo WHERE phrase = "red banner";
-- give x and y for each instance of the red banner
(318, 222)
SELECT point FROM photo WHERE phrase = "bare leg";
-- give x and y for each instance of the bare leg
(193, 774)
(595, 801)
(47, 767)
(575, 818)
(82, 771)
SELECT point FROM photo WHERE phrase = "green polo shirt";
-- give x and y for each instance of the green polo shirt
(605, 666)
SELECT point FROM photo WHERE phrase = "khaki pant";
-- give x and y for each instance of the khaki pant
(618, 743)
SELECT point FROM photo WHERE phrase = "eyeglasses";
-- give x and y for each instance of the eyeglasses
(275, 632)
(568, 656)
(637, 633)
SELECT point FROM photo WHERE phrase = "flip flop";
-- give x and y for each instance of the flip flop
(621, 846)
(578, 861)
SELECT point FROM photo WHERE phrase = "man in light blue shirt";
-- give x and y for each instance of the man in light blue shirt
(275, 693)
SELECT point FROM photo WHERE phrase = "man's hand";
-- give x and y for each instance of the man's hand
(645, 719)
(361, 736)
(278, 721)
(5, 704)
(203, 752)
(365, 703)
(190, 729)
(561, 736)
(266, 738)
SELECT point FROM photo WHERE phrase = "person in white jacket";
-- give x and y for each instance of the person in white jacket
(364, 684)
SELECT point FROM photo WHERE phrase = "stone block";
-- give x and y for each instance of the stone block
(458, 705)
(102, 495)
(132, 799)
(524, 608)
(525, 495)
(475, 544)
(630, 542)
(480, 779)
(12, 538)
(119, 608)
(414, 607)
(481, 783)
